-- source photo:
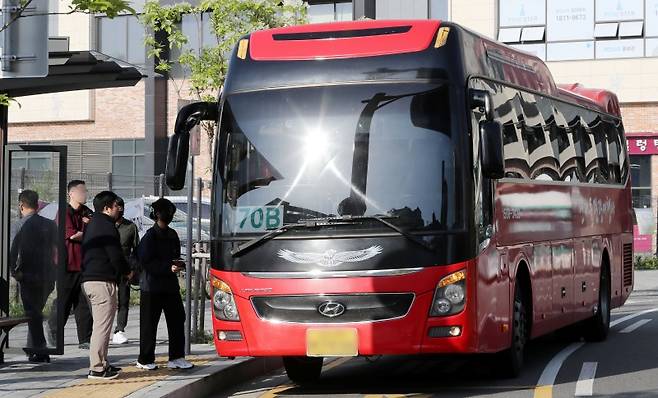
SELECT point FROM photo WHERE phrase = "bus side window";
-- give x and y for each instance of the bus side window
(542, 157)
(598, 131)
(614, 150)
(577, 136)
(623, 156)
(510, 116)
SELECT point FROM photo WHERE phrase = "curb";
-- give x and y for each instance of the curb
(224, 378)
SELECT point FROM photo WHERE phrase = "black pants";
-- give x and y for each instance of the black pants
(74, 299)
(150, 307)
(34, 296)
(124, 303)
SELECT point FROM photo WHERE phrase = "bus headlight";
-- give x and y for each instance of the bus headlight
(450, 295)
(223, 301)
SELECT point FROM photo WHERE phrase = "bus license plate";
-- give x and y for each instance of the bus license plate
(332, 343)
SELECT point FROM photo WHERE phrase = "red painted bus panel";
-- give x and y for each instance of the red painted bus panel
(264, 46)
(604, 98)
(407, 335)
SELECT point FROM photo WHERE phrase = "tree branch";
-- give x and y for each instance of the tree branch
(16, 15)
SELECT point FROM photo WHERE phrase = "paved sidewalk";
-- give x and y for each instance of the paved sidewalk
(66, 375)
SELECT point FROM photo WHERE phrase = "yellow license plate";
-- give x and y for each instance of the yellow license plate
(332, 343)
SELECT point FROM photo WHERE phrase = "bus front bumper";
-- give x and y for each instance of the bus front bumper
(414, 333)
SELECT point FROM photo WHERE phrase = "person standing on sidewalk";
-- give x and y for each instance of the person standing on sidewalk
(103, 266)
(159, 255)
(77, 217)
(129, 236)
(32, 259)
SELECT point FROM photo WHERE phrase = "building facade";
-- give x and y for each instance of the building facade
(609, 44)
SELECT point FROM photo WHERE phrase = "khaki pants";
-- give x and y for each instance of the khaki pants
(102, 298)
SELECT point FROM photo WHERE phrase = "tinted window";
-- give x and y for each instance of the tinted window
(546, 139)
(510, 115)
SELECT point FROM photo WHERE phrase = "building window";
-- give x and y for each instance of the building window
(122, 37)
(128, 168)
(36, 161)
(329, 11)
(641, 180)
(440, 9)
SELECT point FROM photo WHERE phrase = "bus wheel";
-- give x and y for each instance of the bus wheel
(596, 328)
(512, 359)
(303, 370)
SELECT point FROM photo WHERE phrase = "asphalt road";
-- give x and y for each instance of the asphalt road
(626, 365)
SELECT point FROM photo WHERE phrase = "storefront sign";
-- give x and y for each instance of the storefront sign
(641, 243)
(644, 231)
(642, 145)
(570, 20)
(522, 12)
(619, 10)
(629, 48)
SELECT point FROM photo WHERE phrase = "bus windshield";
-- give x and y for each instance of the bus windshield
(294, 154)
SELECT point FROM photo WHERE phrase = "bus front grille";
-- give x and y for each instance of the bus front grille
(342, 308)
(628, 264)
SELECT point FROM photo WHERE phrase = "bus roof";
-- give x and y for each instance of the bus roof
(369, 39)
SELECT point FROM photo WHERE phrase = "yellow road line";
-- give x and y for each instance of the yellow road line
(287, 386)
(544, 392)
(336, 363)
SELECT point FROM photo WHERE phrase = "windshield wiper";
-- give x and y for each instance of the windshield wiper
(381, 219)
(269, 235)
(326, 221)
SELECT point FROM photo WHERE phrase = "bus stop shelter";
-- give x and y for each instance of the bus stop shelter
(67, 71)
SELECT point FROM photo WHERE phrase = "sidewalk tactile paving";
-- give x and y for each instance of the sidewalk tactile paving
(130, 380)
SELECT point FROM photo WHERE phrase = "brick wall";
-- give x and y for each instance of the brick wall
(640, 117)
(118, 113)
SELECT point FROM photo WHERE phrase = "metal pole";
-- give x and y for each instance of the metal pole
(197, 263)
(109, 181)
(195, 313)
(161, 184)
(202, 309)
(4, 225)
(188, 254)
(22, 187)
(199, 184)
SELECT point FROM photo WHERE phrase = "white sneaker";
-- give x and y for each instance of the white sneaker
(180, 363)
(148, 366)
(119, 338)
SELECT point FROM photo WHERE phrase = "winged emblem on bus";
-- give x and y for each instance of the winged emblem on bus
(330, 258)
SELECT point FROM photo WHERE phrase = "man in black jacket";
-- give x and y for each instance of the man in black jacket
(103, 266)
(32, 264)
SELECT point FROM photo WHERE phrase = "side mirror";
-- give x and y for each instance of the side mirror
(178, 151)
(491, 151)
(481, 100)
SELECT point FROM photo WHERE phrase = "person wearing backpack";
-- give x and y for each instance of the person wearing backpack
(159, 256)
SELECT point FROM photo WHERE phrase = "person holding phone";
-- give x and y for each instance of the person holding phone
(159, 255)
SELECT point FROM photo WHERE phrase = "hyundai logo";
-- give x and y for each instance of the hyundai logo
(331, 309)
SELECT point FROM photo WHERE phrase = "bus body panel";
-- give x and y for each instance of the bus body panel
(561, 243)
(568, 231)
(406, 335)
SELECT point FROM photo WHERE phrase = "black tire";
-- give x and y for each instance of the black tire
(596, 328)
(511, 360)
(303, 370)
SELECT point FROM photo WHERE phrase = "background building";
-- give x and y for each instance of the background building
(611, 44)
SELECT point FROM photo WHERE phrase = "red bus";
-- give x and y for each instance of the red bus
(408, 187)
